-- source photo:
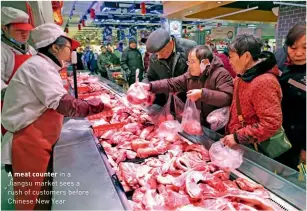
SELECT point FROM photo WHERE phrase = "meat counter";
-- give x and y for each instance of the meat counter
(286, 191)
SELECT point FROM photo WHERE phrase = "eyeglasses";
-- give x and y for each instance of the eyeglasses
(68, 47)
(190, 62)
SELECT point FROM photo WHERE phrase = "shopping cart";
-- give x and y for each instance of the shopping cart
(118, 76)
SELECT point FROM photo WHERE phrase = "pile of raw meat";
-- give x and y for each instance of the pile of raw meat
(164, 173)
(86, 84)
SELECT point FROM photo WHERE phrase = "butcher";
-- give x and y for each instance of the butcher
(34, 106)
(14, 47)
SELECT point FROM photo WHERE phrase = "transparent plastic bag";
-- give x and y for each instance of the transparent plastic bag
(225, 157)
(191, 119)
(137, 95)
(165, 113)
(218, 118)
(168, 130)
(179, 106)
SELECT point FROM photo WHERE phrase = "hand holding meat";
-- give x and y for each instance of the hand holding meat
(138, 94)
(194, 94)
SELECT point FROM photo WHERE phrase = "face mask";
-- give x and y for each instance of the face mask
(16, 42)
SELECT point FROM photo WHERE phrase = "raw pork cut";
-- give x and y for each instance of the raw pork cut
(154, 201)
(128, 173)
(201, 149)
(145, 132)
(244, 184)
(133, 127)
(192, 127)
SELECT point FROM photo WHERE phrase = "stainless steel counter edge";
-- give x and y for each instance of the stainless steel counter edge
(77, 154)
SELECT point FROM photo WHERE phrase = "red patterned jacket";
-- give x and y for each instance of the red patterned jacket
(260, 100)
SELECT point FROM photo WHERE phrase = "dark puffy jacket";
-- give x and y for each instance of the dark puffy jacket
(293, 84)
(161, 69)
(146, 60)
(132, 60)
(216, 82)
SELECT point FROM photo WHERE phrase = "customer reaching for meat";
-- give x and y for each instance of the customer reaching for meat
(255, 113)
(207, 82)
(34, 106)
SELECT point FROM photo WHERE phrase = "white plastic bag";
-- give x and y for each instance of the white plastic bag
(225, 157)
(168, 130)
(218, 118)
(191, 119)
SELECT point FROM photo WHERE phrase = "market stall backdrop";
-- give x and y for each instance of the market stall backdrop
(122, 19)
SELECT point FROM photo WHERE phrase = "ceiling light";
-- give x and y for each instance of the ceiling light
(191, 11)
(219, 2)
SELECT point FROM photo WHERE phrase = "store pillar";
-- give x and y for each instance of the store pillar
(288, 17)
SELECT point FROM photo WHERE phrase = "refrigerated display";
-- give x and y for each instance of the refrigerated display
(89, 159)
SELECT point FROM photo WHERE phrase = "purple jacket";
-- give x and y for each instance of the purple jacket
(216, 82)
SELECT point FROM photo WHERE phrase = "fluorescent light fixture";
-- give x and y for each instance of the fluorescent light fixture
(233, 13)
(289, 4)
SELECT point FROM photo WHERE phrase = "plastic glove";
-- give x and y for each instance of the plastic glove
(71, 107)
(194, 94)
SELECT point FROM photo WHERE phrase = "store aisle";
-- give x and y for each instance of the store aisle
(5, 180)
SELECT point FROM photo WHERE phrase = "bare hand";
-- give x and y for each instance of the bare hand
(229, 141)
(194, 94)
(145, 86)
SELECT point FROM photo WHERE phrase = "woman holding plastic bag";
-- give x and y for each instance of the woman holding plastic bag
(255, 113)
(207, 82)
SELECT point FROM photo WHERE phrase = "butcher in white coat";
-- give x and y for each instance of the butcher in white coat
(34, 106)
(14, 47)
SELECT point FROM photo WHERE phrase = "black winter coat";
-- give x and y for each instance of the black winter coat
(172, 67)
(132, 60)
(293, 84)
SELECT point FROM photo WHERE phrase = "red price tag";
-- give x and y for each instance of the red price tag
(84, 89)
(99, 130)
(100, 115)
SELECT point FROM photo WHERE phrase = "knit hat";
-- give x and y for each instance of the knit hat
(132, 40)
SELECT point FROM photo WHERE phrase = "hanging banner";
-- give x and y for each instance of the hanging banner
(175, 28)
(132, 32)
(107, 34)
(120, 34)
(222, 33)
(164, 24)
(57, 12)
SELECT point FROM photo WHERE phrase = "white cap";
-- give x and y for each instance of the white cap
(47, 33)
(17, 18)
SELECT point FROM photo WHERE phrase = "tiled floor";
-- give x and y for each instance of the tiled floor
(5, 180)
